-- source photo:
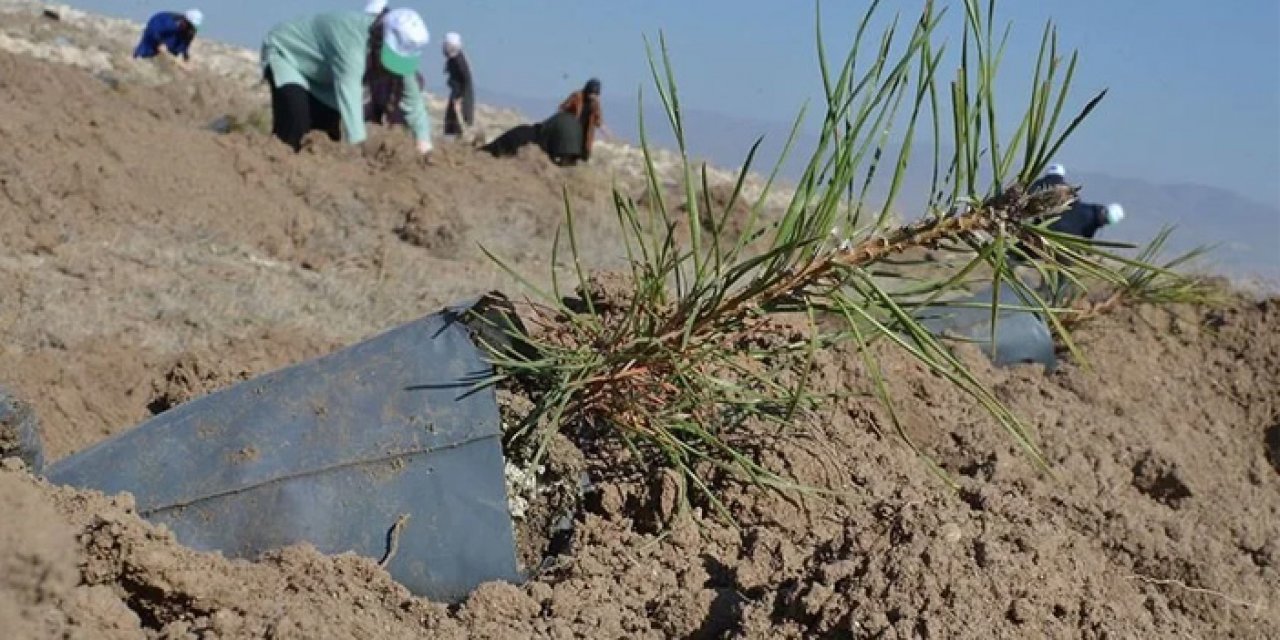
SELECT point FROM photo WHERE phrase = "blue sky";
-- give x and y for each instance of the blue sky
(1194, 86)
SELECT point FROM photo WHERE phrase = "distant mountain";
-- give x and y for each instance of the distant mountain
(1247, 233)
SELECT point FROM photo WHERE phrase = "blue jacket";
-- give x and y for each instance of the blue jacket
(165, 28)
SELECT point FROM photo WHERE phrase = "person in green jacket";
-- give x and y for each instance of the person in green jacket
(317, 68)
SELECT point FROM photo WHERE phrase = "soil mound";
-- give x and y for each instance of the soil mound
(133, 234)
(146, 258)
(1162, 520)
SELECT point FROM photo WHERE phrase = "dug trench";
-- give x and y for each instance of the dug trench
(134, 281)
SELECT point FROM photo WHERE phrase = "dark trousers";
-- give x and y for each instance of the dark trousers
(295, 113)
(452, 122)
(457, 111)
(509, 143)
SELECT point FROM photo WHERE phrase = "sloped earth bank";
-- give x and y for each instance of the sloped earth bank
(132, 235)
(1163, 521)
(145, 260)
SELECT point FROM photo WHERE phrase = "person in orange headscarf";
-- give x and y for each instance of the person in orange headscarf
(566, 136)
(584, 105)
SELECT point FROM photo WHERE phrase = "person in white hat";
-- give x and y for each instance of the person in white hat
(383, 97)
(170, 31)
(317, 67)
(1082, 220)
(460, 111)
(1085, 220)
(1055, 175)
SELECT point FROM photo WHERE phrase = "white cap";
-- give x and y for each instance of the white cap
(453, 39)
(1056, 170)
(404, 36)
(194, 16)
(1115, 213)
(375, 7)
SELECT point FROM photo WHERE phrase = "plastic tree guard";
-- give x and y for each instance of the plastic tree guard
(334, 452)
(1021, 335)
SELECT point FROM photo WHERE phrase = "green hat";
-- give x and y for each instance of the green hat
(404, 36)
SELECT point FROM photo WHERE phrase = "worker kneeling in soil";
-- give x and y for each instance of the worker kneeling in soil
(170, 31)
(317, 68)
(566, 137)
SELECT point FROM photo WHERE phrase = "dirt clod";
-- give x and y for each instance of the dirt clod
(442, 235)
(1160, 480)
(191, 376)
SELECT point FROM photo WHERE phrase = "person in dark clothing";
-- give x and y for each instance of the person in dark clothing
(1082, 220)
(169, 31)
(1054, 176)
(459, 113)
(566, 136)
(510, 142)
(560, 137)
(1085, 219)
(584, 106)
(383, 105)
(384, 102)
(317, 68)
(563, 139)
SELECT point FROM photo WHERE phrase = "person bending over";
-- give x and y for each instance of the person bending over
(566, 136)
(317, 67)
(1084, 219)
(585, 108)
(172, 32)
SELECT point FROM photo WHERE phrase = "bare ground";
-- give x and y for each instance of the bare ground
(146, 259)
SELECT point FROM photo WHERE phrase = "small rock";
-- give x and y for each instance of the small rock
(13, 464)
(541, 592)
(125, 501)
(950, 532)
(1021, 611)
